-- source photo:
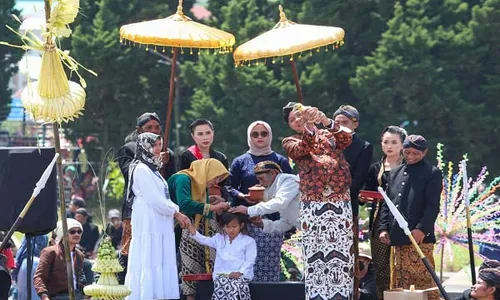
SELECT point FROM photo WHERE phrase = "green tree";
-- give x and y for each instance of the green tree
(421, 75)
(232, 97)
(325, 75)
(9, 56)
(130, 80)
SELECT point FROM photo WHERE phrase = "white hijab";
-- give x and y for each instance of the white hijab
(253, 148)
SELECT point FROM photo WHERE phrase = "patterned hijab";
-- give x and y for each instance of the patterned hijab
(144, 154)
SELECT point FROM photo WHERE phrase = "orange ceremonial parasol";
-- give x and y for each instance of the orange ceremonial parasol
(286, 39)
(176, 31)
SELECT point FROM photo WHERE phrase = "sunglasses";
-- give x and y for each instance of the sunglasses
(256, 134)
(75, 231)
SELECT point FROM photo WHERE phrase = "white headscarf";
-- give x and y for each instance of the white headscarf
(253, 148)
(72, 223)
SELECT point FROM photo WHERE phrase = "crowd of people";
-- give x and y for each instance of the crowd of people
(200, 217)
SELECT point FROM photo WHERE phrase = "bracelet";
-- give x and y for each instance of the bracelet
(206, 209)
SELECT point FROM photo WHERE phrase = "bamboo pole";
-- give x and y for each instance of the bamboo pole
(62, 212)
(62, 202)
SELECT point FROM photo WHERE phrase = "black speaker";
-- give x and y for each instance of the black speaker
(20, 170)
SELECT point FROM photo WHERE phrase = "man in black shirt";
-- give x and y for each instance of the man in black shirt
(90, 235)
(359, 156)
(114, 228)
(415, 188)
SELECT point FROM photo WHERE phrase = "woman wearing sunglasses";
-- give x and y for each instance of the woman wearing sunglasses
(242, 176)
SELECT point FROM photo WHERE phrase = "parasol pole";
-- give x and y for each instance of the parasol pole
(62, 202)
(469, 226)
(62, 212)
(296, 79)
(39, 186)
(171, 96)
(404, 225)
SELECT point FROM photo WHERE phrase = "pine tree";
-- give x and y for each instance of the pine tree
(232, 97)
(8, 56)
(131, 80)
(421, 75)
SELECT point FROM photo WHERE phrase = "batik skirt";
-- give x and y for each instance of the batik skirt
(327, 239)
(410, 270)
(381, 254)
(267, 266)
(231, 289)
(193, 255)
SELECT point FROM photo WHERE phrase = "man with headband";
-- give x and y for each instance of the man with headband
(415, 188)
(481, 288)
(147, 122)
(487, 286)
(51, 280)
(281, 195)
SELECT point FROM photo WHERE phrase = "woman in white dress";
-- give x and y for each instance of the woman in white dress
(152, 270)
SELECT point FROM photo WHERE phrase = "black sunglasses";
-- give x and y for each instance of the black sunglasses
(75, 231)
(255, 134)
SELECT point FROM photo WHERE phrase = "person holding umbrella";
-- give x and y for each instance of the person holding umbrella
(415, 188)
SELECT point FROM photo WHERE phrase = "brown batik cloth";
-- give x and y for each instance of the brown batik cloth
(381, 254)
(193, 254)
(126, 236)
(409, 269)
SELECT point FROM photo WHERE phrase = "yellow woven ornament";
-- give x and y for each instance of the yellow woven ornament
(107, 264)
(63, 14)
(53, 98)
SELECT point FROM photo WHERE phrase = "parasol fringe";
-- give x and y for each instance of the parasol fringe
(157, 48)
(243, 63)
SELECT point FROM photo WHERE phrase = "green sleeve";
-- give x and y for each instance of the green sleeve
(180, 191)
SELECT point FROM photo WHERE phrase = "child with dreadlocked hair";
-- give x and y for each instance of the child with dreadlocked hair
(235, 258)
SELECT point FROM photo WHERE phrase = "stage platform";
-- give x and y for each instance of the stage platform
(284, 290)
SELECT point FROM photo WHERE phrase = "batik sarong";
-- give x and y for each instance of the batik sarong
(193, 254)
(126, 236)
(267, 266)
(231, 289)
(381, 254)
(327, 239)
(410, 270)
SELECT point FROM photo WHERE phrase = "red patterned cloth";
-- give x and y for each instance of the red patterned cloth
(196, 151)
(323, 170)
(10, 263)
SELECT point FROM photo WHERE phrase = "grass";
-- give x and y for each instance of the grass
(458, 261)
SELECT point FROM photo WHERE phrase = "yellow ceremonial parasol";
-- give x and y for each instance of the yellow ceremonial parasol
(176, 31)
(286, 39)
